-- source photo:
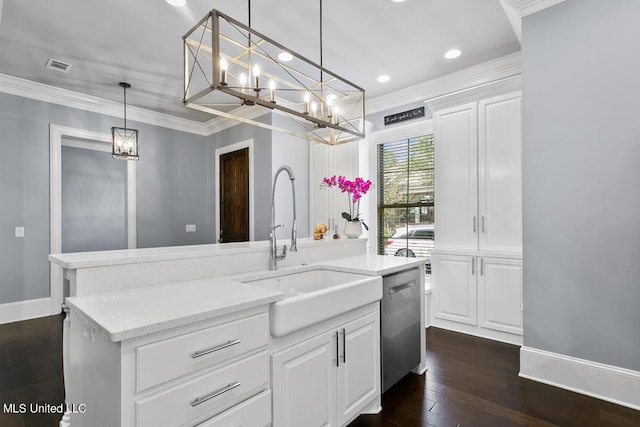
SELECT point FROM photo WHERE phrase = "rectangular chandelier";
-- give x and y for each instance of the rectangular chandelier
(231, 69)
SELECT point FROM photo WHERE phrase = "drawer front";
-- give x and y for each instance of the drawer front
(171, 358)
(255, 412)
(206, 395)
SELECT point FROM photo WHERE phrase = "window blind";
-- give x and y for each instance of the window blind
(406, 196)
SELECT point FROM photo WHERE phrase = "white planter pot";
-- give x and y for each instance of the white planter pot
(353, 229)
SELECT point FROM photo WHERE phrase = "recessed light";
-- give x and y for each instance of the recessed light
(398, 1)
(177, 3)
(452, 54)
(383, 78)
(285, 56)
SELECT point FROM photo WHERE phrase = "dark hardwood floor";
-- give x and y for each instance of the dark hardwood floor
(31, 369)
(471, 382)
(474, 382)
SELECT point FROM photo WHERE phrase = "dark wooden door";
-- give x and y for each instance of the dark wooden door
(234, 196)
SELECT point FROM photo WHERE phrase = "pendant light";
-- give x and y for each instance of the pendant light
(124, 141)
(232, 71)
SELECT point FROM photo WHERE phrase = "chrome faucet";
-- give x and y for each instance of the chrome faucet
(273, 246)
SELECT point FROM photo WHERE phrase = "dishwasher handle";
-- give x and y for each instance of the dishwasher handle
(402, 287)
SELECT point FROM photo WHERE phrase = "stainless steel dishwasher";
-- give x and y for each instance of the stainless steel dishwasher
(400, 324)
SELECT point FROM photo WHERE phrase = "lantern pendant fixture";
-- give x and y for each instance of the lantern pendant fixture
(124, 141)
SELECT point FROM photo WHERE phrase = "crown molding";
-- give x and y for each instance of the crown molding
(55, 95)
(528, 7)
(475, 93)
(490, 71)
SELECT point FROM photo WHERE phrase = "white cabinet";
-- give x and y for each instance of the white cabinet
(478, 175)
(500, 294)
(477, 294)
(456, 164)
(500, 174)
(454, 288)
(477, 260)
(215, 370)
(329, 378)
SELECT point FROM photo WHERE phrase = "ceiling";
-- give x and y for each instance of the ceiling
(140, 41)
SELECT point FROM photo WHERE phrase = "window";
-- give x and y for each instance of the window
(406, 197)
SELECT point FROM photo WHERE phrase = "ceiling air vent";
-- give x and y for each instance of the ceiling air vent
(56, 64)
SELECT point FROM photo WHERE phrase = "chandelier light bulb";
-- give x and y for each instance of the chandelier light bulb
(256, 76)
(307, 98)
(243, 81)
(272, 89)
(223, 71)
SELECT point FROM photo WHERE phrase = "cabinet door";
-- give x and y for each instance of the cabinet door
(500, 174)
(456, 150)
(500, 294)
(304, 383)
(454, 288)
(359, 371)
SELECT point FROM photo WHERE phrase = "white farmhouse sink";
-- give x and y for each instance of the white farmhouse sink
(314, 295)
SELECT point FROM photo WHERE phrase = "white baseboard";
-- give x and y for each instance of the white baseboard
(24, 310)
(617, 385)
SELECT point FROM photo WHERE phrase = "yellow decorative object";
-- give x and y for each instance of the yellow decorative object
(319, 230)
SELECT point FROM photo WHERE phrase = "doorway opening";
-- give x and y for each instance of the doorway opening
(234, 192)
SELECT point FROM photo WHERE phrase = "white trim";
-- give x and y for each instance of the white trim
(514, 19)
(80, 138)
(617, 385)
(395, 133)
(497, 69)
(228, 149)
(55, 95)
(492, 89)
(528, 7)
(24, 310)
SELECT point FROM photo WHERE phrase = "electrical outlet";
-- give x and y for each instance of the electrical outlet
(191, 228)
(19, 231)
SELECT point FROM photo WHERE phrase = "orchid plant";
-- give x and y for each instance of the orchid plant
(354, 189)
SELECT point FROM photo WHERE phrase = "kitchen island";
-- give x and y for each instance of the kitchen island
(134, 314)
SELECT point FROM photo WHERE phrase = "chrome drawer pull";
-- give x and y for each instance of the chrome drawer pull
(212, 349)
(199, 400)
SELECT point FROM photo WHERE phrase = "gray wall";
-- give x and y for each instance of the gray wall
(173, 189)
(581, 181)
(94, 201)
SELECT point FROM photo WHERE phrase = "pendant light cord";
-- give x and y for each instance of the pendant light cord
(321, 37)
(124, 88)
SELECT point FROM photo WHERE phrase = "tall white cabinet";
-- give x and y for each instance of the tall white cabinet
(477, 260)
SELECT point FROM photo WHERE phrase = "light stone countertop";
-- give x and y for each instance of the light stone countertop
(372, 264)
(132, 256)
(133, 313)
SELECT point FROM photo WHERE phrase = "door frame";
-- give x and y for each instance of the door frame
(79, 138)
(248, 143)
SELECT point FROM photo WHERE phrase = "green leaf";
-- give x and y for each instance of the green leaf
(346, 216)
(366, 227)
